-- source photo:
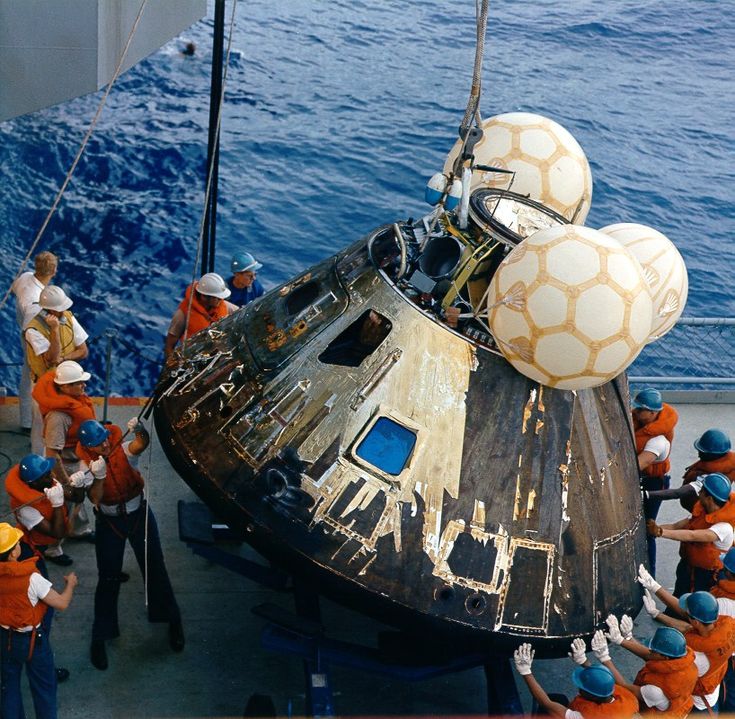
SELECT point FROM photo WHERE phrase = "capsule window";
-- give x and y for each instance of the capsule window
(387, 446)
(358, 341)
(302, 297)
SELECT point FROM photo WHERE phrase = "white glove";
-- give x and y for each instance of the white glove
(579, 651)
(132, 424)
(649, 603)
(646, 580)
(626, 627)
(80, 479)
(55, 494)
(523, 658)
(613, 633)
(599, 646)
(98, 467)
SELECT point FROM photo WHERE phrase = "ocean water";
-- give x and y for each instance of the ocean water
(336, 114)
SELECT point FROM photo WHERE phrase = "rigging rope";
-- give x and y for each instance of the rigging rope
(210, 174)
(79, 154)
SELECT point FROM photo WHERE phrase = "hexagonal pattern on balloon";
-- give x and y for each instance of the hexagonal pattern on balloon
(549, 164)
(663, 268)
(569, 307)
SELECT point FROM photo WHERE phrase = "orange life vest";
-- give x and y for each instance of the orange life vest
(46, 393)
(623, 705)
(718, 647)
(199, 317)
(724, 588)
(704, 554)
(676, 678)
(725, 465)
(21, 493)
(16, 610)
(123, 482)
(663, 424)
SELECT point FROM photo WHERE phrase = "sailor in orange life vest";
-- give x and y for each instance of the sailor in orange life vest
(666, 682)
(706, 534)
(653, 424)
(120, 516)
(24, 598)
(64, 404)
(195, 313)
(710, 634)
(599, 696)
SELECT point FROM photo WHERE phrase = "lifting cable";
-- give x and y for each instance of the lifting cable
(210, 173)
(80, 152)
(472, 112)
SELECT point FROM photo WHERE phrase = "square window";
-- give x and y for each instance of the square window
(387, 446)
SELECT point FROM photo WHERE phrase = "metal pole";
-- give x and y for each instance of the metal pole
(110, 335)
(215, 95)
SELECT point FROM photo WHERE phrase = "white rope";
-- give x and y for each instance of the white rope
(146, 494)
(79, 154)
(210, 173)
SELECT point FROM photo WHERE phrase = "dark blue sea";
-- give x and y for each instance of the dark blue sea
(336, 114)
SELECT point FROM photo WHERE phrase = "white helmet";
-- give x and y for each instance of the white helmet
(54, 298)
(69, 371)
(213, 285)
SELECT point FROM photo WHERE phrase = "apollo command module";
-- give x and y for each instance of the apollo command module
(366, 425)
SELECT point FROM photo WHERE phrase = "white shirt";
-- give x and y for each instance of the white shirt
(41, 344)
(702, 664)
(660, 446)
(723, 530)
(654, 696)
(27, 290)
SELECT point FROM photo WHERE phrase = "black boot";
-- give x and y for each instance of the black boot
(98, 654)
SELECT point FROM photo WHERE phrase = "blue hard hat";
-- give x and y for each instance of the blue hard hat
(242, 261)
(648, 398)
(92, 433)
(717, 486)
(668, 641)
(596, 680)
(34, 466)
(713, 441)
(700, 605)
(728, 560)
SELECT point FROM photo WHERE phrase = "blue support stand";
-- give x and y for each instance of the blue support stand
(302, 633)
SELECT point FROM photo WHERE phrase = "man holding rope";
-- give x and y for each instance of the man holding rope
(122, 514)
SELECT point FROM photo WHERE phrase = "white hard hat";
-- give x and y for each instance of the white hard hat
(213, 285)
(69, 371)
(54, 298)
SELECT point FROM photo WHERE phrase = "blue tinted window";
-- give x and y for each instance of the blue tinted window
(387, 446)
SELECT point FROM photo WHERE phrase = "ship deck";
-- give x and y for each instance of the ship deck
(224, 662)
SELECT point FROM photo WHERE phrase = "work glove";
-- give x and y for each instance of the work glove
(98, 467)
(649, 603)
(132, 424)
(80, 479)
(523, 658)
(613, 633)
(599, 646)
(55, 494)
(579, 651)
(647, 581)
(626, 627)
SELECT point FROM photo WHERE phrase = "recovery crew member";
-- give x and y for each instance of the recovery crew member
(123, 514)
(653, 423)
(243, 284)
(195, 313)
(710, 634)
(666, 682)
(24, 598)
(704, 535)
(599, 696)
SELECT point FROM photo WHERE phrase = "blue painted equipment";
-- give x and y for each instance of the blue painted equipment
(454, 196)
(435, 188)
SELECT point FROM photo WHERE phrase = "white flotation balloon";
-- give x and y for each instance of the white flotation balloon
(663, 268)
(548, 162)
(569, 307)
